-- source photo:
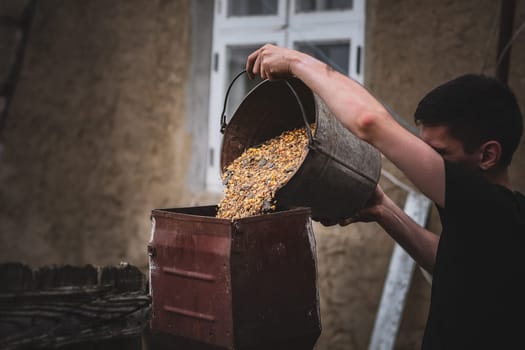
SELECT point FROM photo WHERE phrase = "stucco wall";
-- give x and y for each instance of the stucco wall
(517, 83)
(96, 137)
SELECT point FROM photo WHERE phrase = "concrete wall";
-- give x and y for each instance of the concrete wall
(517, 83)
(109, 122)
(96, 137)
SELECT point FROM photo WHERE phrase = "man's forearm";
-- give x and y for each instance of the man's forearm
(417, 241)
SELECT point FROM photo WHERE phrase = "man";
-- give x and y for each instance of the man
(469, 128)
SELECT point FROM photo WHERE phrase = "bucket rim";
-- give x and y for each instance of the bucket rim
(235, 116)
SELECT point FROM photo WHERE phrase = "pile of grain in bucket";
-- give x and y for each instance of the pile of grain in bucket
(251, 180)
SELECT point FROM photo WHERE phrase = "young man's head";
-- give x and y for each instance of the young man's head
(473, 114)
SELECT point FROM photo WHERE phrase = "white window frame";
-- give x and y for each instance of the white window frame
(222, 21)
(347, 25)
(345, 31)
(356, 13)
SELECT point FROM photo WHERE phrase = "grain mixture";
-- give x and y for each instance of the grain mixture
(251, 180)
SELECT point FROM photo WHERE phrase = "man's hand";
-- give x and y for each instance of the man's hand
(270, 62)
(370, 213)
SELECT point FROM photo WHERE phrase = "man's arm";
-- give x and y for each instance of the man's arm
(418, 242)
(358, 111)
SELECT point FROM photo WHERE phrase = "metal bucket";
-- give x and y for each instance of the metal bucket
(340, 171)
(250, 284)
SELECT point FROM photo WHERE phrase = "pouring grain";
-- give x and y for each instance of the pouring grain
(251, 180)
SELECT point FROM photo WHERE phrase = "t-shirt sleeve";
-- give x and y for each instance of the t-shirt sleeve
(465, 190)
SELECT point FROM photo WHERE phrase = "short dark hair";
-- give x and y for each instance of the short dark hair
(476, 109)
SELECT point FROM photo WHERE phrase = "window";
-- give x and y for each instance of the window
(252, 8)
(336, 52)
(330, 30)
(322, 5)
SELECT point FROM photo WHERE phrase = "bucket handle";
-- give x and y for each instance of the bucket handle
(223, 114)
(303, 113)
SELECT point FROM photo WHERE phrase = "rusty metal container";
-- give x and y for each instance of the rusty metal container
(340, 171)
(246, 284)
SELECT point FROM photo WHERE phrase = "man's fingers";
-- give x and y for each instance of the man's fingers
(250, 63)
(264, 73)
(268, 62)
(327, 222)
(359, 216)
(257, 69)
(253, 63)
(346, 222)
(324, 222)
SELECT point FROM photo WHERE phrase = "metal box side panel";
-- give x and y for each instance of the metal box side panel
(274, 282)
(190, 276)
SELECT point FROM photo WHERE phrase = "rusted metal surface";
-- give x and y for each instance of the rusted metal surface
(190, 275)
(246, 284)
(340, 171)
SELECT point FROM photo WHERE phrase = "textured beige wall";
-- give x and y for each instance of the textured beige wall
(517, 83)
(96, 136)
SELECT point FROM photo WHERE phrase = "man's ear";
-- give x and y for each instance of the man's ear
(490, 154)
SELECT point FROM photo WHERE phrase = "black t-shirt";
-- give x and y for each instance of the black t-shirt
(477, 287)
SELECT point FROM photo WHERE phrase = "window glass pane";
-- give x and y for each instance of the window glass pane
(322, 5)
(334, 53)
(236, 58)
(252, 7)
